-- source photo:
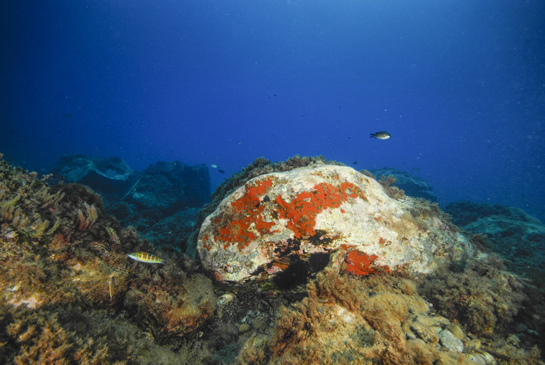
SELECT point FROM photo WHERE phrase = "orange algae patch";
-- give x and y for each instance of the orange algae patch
(205, 244)
(281, 265)
(359, 263)
(301, 212)
(247, 210)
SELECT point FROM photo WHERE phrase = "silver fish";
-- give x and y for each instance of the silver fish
(380, 135)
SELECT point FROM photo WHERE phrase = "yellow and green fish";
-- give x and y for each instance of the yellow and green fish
(147, 258)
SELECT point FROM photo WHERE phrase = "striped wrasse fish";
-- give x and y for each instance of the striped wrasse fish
(147, 258)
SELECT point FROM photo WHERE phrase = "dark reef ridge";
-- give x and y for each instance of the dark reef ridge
(517, 237)
(150, 200)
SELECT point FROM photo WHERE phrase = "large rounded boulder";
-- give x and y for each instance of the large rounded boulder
(277, 219)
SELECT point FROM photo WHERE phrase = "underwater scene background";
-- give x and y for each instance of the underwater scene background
(262, 182)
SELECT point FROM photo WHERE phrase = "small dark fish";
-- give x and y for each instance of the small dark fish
(355, 162)
(221, 171)
(380, 135)
(68, 115)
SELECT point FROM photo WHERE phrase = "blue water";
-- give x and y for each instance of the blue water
(460, 86)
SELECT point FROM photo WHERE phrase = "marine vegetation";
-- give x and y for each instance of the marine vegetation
(59, 253)
(71, 295)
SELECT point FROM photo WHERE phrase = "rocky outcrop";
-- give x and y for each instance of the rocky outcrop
(150, 200)
(70, 293)
(515, 235)
(110, 176)
(413, 186)
(174, 230)
(279, 220)
(168, 187)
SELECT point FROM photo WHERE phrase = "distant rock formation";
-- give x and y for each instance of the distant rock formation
(168, 187)
(412, 185)
(111, 176)
(516, 236)
(164, 191)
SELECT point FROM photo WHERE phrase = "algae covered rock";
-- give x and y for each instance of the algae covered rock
(63, 257)
(280, 219)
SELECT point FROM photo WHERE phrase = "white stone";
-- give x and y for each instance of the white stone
(256, 225)
(451, 342)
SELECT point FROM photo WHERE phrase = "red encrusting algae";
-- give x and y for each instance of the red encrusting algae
(301, 212)
(248, 218)
(359, 263)
(247, 210)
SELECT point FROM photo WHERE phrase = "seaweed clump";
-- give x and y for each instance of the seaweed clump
(497, 307)
(394, 318)
(355, 319)
(71, 294)
(389, 187)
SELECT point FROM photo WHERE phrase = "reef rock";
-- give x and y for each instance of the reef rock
(412, 185)
(278, 219)
(169, 187)
(110, 176)
(174, 230)
(509, 231)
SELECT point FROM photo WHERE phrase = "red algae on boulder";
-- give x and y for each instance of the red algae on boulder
(316, 209)
(359, 263)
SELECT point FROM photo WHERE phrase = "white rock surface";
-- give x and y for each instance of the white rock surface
(317, 209)
(450, 342)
